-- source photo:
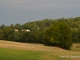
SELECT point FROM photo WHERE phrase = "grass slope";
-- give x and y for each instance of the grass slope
(25, 51)
(11, 54)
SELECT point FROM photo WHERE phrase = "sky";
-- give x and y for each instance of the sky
(23, 11)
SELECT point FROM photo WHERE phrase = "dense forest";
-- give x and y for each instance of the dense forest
(35, 31)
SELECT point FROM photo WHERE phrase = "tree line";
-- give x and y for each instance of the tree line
(48, 31)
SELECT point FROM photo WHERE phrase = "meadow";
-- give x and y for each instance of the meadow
(31, 51)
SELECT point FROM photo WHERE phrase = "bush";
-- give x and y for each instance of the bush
(58, 34)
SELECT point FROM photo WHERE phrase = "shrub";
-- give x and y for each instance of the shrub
(59, 34)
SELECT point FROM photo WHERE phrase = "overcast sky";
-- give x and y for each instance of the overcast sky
(23, 11)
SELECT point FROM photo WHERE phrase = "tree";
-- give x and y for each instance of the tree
(7, 31)
(58, 34)
(1, 34)
(16, 36)
(18, 26)
(12, 26)
(76, 35)
(2, 26)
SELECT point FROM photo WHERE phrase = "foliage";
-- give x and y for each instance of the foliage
(37, 31)
(59, 34)
(76, 35)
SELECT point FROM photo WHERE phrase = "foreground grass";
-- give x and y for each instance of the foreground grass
(21, 51)
(13, 54)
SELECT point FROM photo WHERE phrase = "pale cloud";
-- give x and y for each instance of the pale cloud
(19, 1)
(40, 4)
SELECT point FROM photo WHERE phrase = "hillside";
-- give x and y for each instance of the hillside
(58, 32)
(39, 27)
(27, 46)
(53, 51)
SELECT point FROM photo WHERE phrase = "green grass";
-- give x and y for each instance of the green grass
(13, 54)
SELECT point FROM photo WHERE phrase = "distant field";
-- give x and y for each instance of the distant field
(76, 47)
(29, 51)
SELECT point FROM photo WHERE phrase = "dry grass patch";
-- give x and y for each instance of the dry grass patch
(76, 47)
(28, 46)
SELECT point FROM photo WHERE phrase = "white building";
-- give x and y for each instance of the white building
(27, 30)
(16, 30)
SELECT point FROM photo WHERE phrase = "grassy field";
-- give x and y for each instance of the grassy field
(12, 54)
(76, 47)
(28, 51)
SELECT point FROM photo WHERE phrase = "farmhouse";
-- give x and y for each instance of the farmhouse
(27, 30)
(16, 30)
